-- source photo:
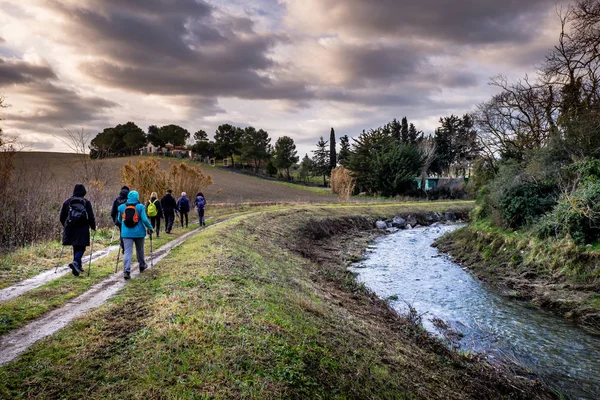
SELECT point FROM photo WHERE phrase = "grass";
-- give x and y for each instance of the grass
(235, 312)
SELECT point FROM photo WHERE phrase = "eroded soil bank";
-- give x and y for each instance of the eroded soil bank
(557, 277)
(262, 306)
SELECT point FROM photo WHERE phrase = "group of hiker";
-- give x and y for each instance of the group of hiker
(130, 216)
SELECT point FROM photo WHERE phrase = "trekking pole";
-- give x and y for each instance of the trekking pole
(91, 253)
(151, 256)
(59, 258)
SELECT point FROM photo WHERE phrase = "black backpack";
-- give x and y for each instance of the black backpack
(78, 215)
(130, 216)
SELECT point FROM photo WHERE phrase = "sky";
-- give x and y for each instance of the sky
(291, 67)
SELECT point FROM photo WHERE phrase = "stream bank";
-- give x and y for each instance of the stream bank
(558, 277)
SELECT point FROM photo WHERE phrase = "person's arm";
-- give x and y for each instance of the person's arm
(145, 220)
(160, 210)
(91, 217)
(64, 213)
(119, 220)
(114, 211)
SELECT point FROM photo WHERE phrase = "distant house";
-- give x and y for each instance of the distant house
(434, 182)
(168, 149)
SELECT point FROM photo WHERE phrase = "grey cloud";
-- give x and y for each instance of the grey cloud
(18, 72)
(190, 51)
(459, 21)
(2, 40)
(57, 106)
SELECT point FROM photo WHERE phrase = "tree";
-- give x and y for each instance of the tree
(306, 168)
(395, 168)
(332, 151)
(228, 141)
(414, 135)
(344, 149)
(444, 139)
(360, 160)
(271, 168)
(255, 146)
(200, 136)
(404, 138)
(396, 130)
(133, 136)
(285, 154)
(321, 165)
(173, 134)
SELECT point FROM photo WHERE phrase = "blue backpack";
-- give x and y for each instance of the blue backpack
(200, 202)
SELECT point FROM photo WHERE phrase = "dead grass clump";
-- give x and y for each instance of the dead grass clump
(328, 227)
(342, 183)
(145, 177)
(188, 178)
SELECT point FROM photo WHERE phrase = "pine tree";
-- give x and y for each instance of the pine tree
(344, 150)
(332, 151)
(321, 160)
(404, 131)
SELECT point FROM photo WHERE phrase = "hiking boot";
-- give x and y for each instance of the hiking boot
(127, 275)
(74, 269)
(143, 268)
(79, 268)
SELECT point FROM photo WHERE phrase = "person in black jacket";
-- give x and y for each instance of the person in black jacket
(155, 219)
(77, 217)
(169, 205)
(121, 199)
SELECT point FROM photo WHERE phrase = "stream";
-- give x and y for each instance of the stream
(405, 269)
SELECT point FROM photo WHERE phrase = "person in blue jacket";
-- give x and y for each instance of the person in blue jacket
(134, 222)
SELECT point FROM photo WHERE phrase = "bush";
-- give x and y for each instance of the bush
(576, 215)
(523, 203)
(342, 183)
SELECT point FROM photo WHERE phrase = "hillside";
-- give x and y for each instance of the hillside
(228, 187)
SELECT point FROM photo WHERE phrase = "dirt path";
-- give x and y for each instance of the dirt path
(48, 276)
(15, 343)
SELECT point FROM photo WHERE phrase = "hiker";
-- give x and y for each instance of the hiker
(169, 205)
(77, 217)
(134, 222)
(200, 203)
(183, 206)
(155, 212)
(121, 199)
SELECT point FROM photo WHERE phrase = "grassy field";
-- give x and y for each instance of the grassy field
(257, 308)
(228, 187)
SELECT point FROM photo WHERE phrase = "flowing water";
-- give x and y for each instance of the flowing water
(404, 268)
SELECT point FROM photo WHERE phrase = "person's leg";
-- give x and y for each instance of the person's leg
(157, 226)
(77, 256)
(127, 253)
(139, 248)
(181, 219)
(121, 239)
(170, 217)
(153, 222)
(201, 212)
(186, 220)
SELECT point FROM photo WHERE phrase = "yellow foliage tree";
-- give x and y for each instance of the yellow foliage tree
(342, 183)
(188, 178)
(146, 177)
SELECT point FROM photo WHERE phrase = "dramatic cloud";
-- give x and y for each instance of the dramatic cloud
(294, 67)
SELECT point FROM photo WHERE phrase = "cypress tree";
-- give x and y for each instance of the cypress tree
(332, 151)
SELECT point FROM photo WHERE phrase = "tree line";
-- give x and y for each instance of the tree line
(540, 138)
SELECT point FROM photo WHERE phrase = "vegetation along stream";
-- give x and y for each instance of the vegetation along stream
(404, 268)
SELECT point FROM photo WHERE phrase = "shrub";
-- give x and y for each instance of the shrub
(342, 183)
(525, 202)
(576, 215)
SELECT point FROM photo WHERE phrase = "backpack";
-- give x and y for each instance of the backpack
(78, 215)
(130, 216)
(152, 210)
(184, 205)
(200, 202)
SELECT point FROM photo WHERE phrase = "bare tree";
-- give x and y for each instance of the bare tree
(428, 151)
